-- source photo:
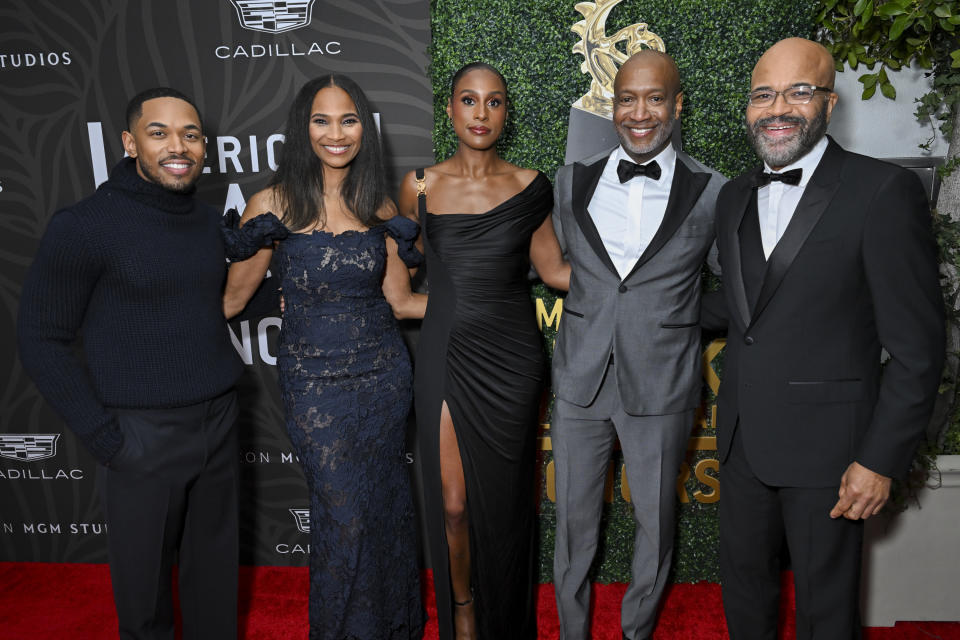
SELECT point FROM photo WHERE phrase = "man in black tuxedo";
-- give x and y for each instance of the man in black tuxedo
(827, 256)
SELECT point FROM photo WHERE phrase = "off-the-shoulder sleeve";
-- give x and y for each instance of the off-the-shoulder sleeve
(261, 231)
(405, 232)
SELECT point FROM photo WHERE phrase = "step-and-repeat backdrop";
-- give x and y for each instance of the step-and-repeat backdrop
(66, 73)
(67, 70)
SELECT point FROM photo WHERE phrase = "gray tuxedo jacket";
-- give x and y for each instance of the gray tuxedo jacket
(649, 320)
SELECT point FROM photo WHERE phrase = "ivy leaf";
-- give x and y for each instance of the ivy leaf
(890, 9)
(827, 8)
(895, 34)
(900, 25)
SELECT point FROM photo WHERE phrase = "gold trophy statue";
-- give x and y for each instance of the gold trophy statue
(590, 129)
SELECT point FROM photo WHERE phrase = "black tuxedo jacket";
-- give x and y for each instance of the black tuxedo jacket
(856, 269)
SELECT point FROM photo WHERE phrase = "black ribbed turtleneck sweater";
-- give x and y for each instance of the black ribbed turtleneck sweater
(138, 271)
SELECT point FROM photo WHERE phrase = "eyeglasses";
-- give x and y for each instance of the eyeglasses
(800, 94)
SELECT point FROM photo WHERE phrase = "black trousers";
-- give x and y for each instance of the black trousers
(755, 518)
(170, 494)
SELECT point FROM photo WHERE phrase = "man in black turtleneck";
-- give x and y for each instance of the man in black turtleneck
(137, 269)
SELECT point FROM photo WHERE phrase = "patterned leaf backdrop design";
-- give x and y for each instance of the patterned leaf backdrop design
(115, 49)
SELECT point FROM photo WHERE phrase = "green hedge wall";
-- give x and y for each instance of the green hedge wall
(715, 44)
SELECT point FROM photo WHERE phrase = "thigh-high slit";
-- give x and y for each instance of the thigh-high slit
(480, 352)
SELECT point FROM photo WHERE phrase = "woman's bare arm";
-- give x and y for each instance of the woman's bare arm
(244, 277)
(396, 287)
(547, 258)
(409, 207)
(396, 281)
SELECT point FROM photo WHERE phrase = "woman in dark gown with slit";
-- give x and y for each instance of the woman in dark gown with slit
(344, 371)
(480, 366)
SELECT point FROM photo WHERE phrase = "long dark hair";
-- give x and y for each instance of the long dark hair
(298, 181)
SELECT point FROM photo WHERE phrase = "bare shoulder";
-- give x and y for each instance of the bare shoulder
(263, 201)
(520, 175)
(442, 171)
(407, 196)
(409, 182)
(408, 186)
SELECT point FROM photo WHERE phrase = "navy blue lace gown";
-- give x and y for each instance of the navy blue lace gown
(345, 379)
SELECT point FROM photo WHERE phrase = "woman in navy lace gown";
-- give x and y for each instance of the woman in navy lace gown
(339, 249)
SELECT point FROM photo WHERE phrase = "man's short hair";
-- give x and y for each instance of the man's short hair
(135, 106)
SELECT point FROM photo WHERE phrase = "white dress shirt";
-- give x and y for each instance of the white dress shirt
(628, 215)
(777, 201)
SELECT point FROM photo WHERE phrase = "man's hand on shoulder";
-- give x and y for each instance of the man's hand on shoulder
(862, 493)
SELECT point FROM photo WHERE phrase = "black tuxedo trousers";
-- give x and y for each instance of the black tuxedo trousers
(755, 520)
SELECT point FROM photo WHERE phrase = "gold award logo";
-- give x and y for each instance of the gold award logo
(601, 55)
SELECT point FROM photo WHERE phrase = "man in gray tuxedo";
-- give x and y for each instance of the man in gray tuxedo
(636, 224)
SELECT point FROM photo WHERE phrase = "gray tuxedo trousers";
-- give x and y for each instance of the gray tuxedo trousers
(647, 325)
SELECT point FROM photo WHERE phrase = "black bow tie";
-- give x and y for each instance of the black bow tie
(627, 170)
(787, 177)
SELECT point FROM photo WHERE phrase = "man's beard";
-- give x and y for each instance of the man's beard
(663, 134)
(780, 153)
(184, 185)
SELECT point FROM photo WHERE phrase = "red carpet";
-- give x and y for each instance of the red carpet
(40, 601)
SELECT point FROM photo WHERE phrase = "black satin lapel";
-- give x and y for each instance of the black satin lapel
(733, 275)
(585, 179)
(685, 190)
(816, 197)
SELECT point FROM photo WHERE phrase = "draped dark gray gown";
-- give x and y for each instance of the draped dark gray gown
(480, 351)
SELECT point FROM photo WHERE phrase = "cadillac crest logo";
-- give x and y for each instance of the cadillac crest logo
(28, 447)
(302, 516)
(273, 16)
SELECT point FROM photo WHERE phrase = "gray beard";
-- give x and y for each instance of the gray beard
(787, 152)
(663, 135)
